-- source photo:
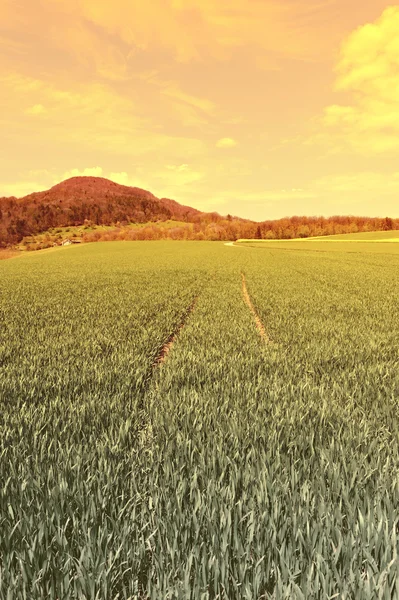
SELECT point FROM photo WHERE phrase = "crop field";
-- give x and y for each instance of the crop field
(365, 236)
(359, 247)
(188, 420)
(364, 239)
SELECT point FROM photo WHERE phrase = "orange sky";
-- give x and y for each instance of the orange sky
(260, 108)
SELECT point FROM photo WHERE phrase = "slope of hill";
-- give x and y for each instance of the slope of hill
(98, 205)
(80, 199)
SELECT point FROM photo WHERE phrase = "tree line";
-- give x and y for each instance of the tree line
(31, 216)
(217, 228)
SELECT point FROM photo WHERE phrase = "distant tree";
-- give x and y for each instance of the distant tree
(353, 228)
(303, 231)
(388, 225)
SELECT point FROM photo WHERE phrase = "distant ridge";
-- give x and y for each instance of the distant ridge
(100, 190)
(92, 202)
(80, 199)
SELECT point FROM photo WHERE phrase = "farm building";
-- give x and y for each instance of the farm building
(68, 242)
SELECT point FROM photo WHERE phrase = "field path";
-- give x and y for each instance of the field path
(172, 338)
(258, 322)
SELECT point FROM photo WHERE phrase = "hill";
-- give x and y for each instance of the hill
(94, 208)
(80, 199)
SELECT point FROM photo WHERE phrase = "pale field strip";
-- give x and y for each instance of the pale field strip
(258, 322)
(319, 239)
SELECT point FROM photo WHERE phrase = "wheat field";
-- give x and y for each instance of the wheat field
(156, 445)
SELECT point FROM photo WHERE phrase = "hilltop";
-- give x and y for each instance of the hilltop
(95, 208)
(80, 199)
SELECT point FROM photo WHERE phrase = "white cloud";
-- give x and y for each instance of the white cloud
(226, 143)
(368, 70)
(179, 175)
(36, 109)
(88, 172)
(124, 178)
(179, 168)
(91, 115)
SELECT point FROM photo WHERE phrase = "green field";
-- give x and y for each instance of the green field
(365, 236)
(235, 466)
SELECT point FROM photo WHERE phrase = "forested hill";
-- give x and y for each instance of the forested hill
(95, 201)
(78, 199)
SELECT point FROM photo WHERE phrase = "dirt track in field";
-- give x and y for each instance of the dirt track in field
(258, 322)
(166, 348)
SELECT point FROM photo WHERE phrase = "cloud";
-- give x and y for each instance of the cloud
(42, 179)
(191, 110)
(88, 172)
(191, 30)
(107, 57)
(179, 168)
(201, 104)
(359, 182)
(37, 180)
(226, 143)
(41, 173)
(92, 115)
(123, 178)
(367, 72)
(163, 181)
(180, 175)
(36, 109)
(158, 181)
(350, 193)
(21, 188)
(265, 198)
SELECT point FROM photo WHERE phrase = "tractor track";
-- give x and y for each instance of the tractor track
(258, 322)
(167, 346)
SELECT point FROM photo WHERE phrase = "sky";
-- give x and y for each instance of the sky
(256, 108)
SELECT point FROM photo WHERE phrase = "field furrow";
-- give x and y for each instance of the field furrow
(167, 346)
(258, 322)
